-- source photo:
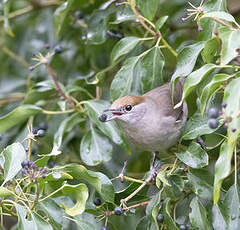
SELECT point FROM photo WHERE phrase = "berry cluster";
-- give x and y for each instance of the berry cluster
(214, 114)
(40, 130)
(32, 171)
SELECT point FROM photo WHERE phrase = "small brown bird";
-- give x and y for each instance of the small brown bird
(150, 121)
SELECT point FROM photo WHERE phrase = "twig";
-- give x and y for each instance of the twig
(58, 88)
(58, 112)
(15, 57)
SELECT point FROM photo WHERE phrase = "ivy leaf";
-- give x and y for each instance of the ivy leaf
(110, 129)
(134, 78)
(220, 15)
(95, 148)
(13, 156)
(35, 223)
(223, 164)
(60, 16)
(210, 51)
(65, 126)
(123, 47)
(194, 79)
(230, 44)
(197, 126)
(168, 221)
(148, 8)
(160, 22)
(211, 88)
(194, 156)
(202, 183)
(186, 60)
(17, 116)
(98, 180)
(198, 215)
(225, 214)
(80, 193)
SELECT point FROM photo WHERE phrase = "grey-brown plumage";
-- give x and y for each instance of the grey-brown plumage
(150, 121)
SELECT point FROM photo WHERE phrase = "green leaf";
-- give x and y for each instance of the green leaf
(13, 156)
(53, 211)
(98, 180)
(194, 156)
(60, 15)
(223, 164)
(139, 74)
(95, 148)
(168, 221)
(202, 183)
(161, 177)
(7, 27)
(66, 126)
(123, 14)
(222, 168)
(226, 214)
(160, 22)
(211, 50)
(4, 192)
(232, 99)
(230, 44)
(148, 8)
(35, 223)
(198, 215)
(96, 31)
(186, 60)
(123, 47)
(197, 126)
(217, 81)
(17, 116)
(80, 194)
(110, 129)
(152, 211)
(194, 79)
(219, 15)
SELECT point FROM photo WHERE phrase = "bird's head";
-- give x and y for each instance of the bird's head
(128, 109)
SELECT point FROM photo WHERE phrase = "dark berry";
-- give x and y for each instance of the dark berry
(26, 149)
(118, 211)
(58, 49)
(213, 113)
(102, 117)
(40, 132)
(24, 171)
(1, 136)
(234, 130)
(97, 201)
(79, 15)
(34, 130)
(31, 164)
(213, 123)
(160, 218)
(24, 164)
(43, 125)
(104, 228)
(183, 227)
(224, 105)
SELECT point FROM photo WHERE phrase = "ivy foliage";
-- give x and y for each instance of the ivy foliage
(63, 62)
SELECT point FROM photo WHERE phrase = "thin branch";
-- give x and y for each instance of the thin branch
(53, 74)
(58, 112)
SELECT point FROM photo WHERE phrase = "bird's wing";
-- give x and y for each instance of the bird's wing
(162, 96)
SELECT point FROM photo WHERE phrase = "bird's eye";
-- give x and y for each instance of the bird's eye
(128, 107)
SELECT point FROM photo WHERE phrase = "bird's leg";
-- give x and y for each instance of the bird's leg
(154, 166)
(152, 177)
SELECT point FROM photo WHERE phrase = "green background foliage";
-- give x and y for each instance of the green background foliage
(63, 62)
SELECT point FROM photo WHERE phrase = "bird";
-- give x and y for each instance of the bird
(150, 122)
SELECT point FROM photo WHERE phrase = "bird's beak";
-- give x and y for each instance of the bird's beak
(110, 114)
